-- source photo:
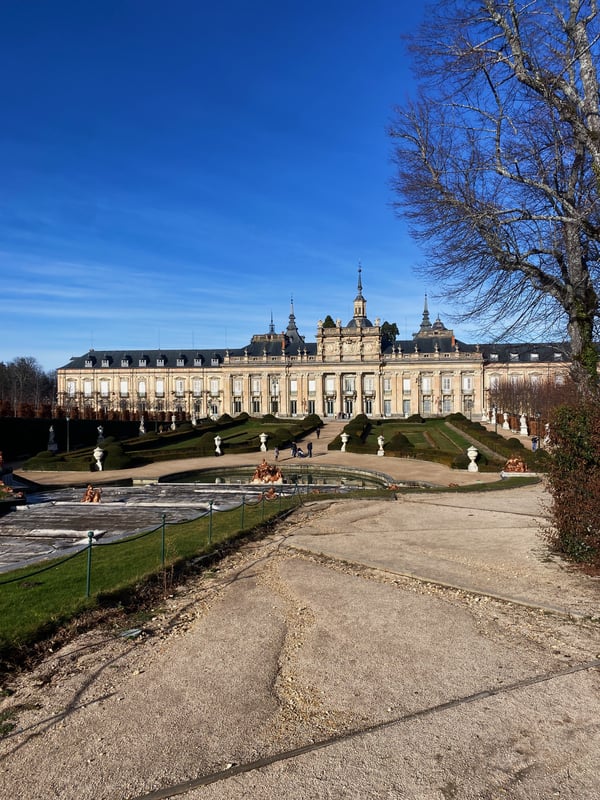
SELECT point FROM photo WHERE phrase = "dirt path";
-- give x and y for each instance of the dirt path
(317, 663)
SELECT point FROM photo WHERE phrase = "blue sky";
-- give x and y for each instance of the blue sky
(173, 173)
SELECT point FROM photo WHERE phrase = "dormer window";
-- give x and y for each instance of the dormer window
(106, 362)
(514, 356)
(143, 361)
(493, 356)
(89, 362)
(198, 360)
(181, 361)
(160, 361)
(558, 356)
(214, 361)
(125, 361)
(534, 356)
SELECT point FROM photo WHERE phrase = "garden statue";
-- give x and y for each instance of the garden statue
(142, 430)
(523, 425)
(218, 441)
(100, 430)
(52, 446)
(380, 441)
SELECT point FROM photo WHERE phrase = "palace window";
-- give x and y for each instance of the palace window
(406, 385)
(467, 383)
(197, 387)
(349, 384)
(425, 386)
(214, 386)
(123, 388)
(237, 386)
(446, 383)
(312, 389)
(179, 387)
(71, 388)
(87, 388)
(159, 390)
(293, 386)
(142, 388)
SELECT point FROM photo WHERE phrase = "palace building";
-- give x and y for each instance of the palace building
(348, 369)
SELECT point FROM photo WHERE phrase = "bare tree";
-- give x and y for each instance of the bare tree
(498, 164)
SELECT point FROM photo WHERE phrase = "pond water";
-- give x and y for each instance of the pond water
(300, 474)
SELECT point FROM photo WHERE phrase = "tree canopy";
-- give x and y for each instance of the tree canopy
(497, 164)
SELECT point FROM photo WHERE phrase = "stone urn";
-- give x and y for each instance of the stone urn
(263, 442)
(380, 442)
(98, 456)
(344, 438)
(472, 452)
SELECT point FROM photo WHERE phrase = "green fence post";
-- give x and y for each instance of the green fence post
(89, 563)
(243, 505)
(162, 544)
(210, 521)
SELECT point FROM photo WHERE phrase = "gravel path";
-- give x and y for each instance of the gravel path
(399, 649)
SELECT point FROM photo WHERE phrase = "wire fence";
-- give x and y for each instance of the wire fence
(55, 590)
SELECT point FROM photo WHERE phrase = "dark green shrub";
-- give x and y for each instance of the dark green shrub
(460, 461)
(574, 482)
(399, 443)
(415, 418)
(115, 456)
(270, 418)
(514, 444)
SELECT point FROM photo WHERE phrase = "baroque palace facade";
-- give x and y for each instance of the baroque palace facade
(349, 369)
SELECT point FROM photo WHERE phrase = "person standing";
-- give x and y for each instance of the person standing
(276, 453)
(309, 449)
(318, 432)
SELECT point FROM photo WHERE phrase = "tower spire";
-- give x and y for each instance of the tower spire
(426, 321)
